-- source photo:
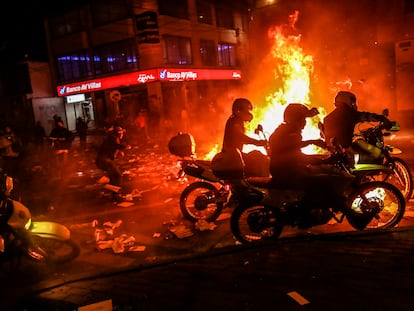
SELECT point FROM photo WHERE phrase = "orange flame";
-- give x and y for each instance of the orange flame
(292, 72)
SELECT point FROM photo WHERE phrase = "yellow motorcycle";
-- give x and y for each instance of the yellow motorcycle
(41, 241)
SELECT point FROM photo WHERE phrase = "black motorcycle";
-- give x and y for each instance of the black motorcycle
(207, 196)
(371, 140)
(339, 192)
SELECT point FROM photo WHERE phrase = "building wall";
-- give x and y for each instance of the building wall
(151, 55)
(396, 33)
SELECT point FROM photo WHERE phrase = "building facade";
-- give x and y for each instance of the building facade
(174, 61)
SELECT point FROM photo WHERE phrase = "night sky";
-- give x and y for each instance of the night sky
(22, 32)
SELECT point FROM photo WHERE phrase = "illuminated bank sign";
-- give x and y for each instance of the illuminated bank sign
(177, 75)
(146, 76)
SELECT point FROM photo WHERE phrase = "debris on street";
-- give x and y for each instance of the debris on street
(105, 239)
(203, 225)
(181, 231)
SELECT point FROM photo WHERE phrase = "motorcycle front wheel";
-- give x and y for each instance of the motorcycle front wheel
(384, 208)
(52, 250)
(202, 201)
(254, 222)
(402, 177)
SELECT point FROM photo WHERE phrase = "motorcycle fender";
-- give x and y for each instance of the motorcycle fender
(20, 216)
(366, 167)
(47, 229)
(394, 150)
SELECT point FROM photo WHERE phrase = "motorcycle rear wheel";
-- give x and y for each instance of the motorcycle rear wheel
(201, 201)
(52, 250)
(255, 222)
(385, 197)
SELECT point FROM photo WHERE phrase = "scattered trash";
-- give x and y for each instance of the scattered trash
(104, 238)
(112, 225)
(121, 243)
(112, 188)
(104, 244)
(129, 197)
(125, 204)
(103, 180)
(139, 248)
(203, 225)
(181, 231)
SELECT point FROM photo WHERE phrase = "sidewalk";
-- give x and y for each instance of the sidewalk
(341, 271)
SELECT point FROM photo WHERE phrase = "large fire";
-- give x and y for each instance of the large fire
(292, 74)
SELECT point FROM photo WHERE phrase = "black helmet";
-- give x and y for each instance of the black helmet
(297, 112)
(346, 98)
(242, 107)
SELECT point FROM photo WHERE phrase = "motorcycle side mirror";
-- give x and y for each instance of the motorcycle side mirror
(385, 112)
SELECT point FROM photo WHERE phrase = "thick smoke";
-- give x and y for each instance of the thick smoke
(341, 38)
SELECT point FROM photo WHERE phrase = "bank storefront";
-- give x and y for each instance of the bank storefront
(162, 92)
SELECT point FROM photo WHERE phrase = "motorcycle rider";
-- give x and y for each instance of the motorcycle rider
(235, 137)
(235, 133)
(288, 164)
(340, 123)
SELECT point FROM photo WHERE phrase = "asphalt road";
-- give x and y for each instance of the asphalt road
(151, 220)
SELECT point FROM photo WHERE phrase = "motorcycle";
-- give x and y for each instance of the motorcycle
(340, 192)
(207, 197)
(41, 241)
(372, 140)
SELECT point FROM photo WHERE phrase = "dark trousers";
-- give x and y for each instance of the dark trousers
(114, 173)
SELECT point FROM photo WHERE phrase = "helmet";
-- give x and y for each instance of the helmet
(242, 107)
(240, 104)
(346, 98)
(298, 112)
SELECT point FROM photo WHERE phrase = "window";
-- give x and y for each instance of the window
(73, 66)
(224, 17)
(115, 57)
(204, 14)
(177, 50)
(176, 8)
(208, 52)
(104, 12)
(227, 54)
(67, 23)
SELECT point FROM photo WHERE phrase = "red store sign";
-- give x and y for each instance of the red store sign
(146, 76)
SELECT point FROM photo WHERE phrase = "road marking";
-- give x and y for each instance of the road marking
(298, 298)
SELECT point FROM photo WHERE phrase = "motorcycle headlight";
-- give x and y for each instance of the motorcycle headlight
(28, 224)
